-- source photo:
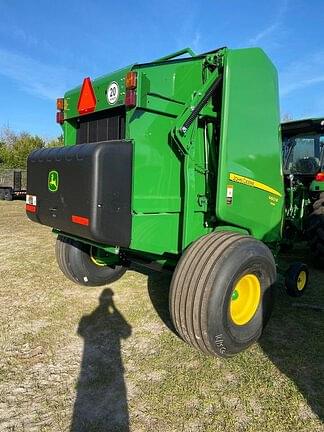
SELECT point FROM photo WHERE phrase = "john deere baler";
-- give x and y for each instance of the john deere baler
(175, 163)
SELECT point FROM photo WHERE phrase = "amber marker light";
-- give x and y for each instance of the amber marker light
(131, 80)
(60, 104)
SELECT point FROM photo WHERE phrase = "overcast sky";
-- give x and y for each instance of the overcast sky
(47, 47)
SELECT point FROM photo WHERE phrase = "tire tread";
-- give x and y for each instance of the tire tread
(191, 286)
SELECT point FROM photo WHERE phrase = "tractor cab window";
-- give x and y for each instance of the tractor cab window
(303, 154)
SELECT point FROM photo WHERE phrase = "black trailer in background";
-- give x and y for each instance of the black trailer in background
(13, 184)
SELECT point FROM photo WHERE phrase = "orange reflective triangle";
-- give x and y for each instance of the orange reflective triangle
(87, 100)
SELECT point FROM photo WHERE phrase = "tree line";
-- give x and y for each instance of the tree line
(15, 147)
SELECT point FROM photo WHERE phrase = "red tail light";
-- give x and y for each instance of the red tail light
(130, 98)
(31, 208)
(60, 108)
(60, 117)
(80, 220)
(320, 177)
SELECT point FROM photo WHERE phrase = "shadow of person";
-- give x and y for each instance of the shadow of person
(101, 401)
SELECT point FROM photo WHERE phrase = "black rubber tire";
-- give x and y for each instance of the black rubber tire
(315, 236)
(8, 195)
(291, 279)
(2, 194)
(202, 286)
(74, 260)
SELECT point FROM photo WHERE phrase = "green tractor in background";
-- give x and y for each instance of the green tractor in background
(303, 164)
(177, 164)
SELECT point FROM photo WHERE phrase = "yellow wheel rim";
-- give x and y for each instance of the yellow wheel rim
(95, 260)
(301, 281)
(245, 299)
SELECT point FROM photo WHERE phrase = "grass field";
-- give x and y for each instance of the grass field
(104, 359)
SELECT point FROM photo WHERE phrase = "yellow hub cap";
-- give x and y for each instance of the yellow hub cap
(96, 260)
(245, 299)
(301, 281)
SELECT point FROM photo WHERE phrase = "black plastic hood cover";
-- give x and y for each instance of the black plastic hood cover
(84, 190)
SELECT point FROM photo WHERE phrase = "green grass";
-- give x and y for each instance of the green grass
(68, 364)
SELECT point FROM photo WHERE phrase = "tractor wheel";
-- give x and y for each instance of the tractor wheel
(221, 293)
(75, 261)
(296, 279)
(8, 195)
(2, 194)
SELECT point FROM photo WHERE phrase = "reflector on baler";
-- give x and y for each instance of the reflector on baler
(87, 100)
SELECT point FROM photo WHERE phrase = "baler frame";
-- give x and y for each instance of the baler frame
(187, 175)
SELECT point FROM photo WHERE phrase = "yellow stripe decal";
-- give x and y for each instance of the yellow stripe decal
(252, 183)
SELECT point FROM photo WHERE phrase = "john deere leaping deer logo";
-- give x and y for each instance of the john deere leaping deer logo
(53, 181)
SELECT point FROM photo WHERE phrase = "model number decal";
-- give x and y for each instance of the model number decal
(112, 93)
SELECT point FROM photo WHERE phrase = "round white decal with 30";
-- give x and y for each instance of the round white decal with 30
(113, 93)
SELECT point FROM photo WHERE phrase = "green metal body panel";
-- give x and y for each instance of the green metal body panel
(181, 179)
(250, 145)
(99, 86)
(163, 91)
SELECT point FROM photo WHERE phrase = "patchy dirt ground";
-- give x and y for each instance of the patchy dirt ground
(104, 359)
